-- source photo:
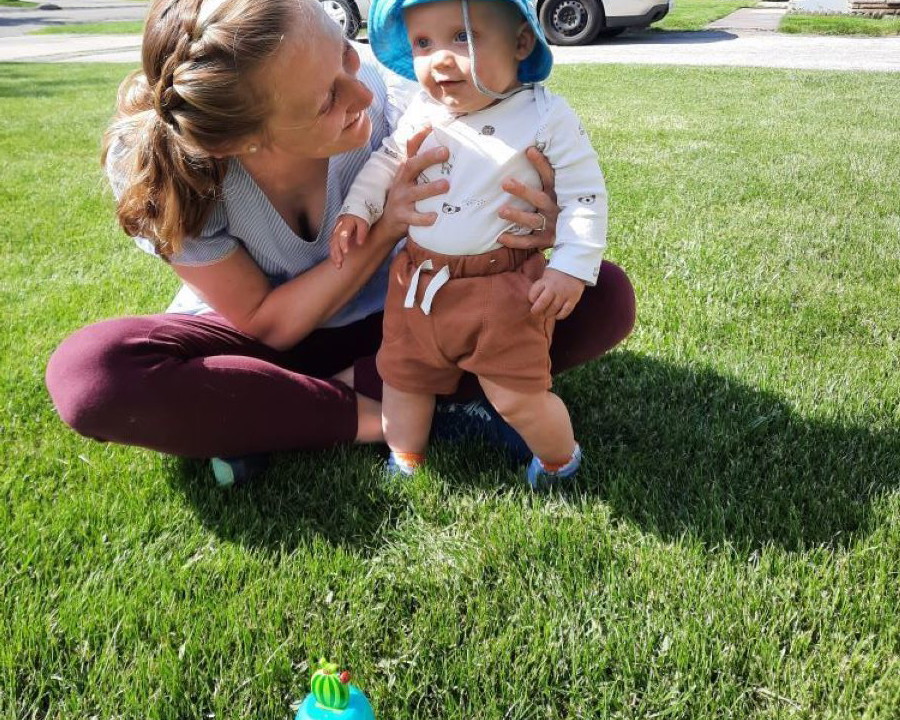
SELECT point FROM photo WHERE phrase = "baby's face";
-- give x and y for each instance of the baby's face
(441, 60)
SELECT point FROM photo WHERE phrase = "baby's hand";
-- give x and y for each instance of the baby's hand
(347, 230)
(555, 294)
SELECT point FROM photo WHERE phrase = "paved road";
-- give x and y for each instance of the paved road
(744, 38)
(19, 21)
(744, 49)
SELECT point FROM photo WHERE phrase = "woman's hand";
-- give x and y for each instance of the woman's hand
(542, 220)
(400, 209)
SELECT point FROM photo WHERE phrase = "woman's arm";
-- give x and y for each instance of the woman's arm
(280, 317)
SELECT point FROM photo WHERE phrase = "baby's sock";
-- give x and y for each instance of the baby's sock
(404, 463)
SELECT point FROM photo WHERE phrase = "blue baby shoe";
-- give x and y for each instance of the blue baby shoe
(540, 478)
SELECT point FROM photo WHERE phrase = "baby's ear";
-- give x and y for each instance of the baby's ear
(525, 41)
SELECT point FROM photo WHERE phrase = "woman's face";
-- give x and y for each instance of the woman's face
(318, 103)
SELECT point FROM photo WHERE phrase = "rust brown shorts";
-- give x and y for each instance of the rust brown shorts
(480, 322)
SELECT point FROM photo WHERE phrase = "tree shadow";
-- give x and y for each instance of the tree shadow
(682, 450)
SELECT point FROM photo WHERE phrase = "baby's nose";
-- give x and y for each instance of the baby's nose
(442, 58)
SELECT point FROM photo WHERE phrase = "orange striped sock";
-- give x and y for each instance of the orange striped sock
(410, 459)
(406, 463)
(556, 467)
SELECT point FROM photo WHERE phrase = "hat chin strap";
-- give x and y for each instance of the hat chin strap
(478, 86)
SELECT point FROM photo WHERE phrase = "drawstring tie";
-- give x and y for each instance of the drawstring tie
(437, 282)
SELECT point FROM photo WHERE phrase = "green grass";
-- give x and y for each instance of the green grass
(730, 550)
(17, 4)
(125, 27)
(815, 24)
(697, 14)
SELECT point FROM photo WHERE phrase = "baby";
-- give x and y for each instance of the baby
(458, 300)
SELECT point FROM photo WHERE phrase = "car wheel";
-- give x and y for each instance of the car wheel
(571, 22)
(344, 14)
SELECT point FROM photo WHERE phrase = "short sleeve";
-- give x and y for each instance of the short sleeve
(214, 242)
(212, 245)
(117, 158)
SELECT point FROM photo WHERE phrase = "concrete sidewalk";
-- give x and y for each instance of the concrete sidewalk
(71, 48)
(764, 18)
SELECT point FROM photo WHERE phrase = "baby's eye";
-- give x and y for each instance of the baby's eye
(461, 37)
(422, 43)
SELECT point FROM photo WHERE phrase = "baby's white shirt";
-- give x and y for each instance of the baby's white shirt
(487, 147)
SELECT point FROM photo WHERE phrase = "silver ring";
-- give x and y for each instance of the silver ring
(543, 223)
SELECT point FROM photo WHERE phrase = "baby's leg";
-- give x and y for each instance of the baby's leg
(406, 421)
(540, 418)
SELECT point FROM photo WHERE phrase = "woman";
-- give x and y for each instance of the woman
(230, 156)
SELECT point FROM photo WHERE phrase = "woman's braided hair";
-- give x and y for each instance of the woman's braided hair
(191, 104)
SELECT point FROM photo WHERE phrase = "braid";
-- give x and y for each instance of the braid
(166, 97)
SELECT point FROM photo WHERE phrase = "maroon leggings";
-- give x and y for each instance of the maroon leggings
(195, 386)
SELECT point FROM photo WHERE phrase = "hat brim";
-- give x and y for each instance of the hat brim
(390, 44)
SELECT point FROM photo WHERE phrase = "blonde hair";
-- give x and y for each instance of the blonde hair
(194, 98)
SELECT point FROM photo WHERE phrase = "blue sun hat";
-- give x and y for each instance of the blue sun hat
(387, 37)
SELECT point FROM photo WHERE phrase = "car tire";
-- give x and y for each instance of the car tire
(571, 22)
(345, 14)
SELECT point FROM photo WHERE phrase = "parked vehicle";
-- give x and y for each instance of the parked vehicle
(565, 22)
(349, 14)
(579, 22)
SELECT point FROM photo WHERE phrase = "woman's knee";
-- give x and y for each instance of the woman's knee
(619, 297)
(88, 372)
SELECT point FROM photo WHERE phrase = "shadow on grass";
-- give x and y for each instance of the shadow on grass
(335, 496)
(678, 451)
(681, 450)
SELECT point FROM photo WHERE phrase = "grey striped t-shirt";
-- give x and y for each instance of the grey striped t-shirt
(245, 217)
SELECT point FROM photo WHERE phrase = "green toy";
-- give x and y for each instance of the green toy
(333, 697)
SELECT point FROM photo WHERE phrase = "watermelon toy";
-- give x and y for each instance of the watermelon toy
(334, 698)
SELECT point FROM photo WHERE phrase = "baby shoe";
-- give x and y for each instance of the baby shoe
(540, 477)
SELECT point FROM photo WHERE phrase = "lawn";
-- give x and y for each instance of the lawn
(817, 24)
(729, 551)
(124, 27)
